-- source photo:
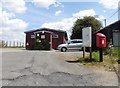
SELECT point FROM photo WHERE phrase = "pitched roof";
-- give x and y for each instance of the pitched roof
(113, 26)
(44, 29)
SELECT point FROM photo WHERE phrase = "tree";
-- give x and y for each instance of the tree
(85, 22)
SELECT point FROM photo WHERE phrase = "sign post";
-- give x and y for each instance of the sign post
(83, 52)
(87, 40)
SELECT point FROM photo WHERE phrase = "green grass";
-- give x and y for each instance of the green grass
(108, 54)
(95, 58)
(13, 47)
(110, 58)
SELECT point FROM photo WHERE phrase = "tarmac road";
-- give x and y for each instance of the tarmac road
(48, 68)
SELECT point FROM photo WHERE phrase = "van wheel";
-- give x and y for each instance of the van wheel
(63, 49)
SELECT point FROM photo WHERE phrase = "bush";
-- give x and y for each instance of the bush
(44, 45)
(106, 51)
(114, 53)
(119, 57)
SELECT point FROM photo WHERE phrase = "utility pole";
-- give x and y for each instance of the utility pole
(105, 22)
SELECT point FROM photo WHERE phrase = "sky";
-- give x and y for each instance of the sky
(19, 16)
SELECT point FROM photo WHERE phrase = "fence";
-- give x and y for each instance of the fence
(11, 44)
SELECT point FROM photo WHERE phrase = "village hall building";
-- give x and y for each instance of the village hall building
(36, 37)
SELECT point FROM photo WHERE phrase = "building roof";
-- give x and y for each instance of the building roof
(113, 26)
(44, 29)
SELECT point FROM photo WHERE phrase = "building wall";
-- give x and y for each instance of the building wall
(29, 41)
(55, 41)
(59, 40)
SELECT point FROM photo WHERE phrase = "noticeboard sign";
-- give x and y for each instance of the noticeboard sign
(116, 38)
(87, 37)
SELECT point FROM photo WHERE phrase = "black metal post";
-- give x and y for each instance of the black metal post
(90, 54)
(101, 55)
(83, 52)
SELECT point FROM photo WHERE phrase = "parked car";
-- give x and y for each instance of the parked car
(75, 44)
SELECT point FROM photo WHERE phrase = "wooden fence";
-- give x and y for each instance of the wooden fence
(11, 44)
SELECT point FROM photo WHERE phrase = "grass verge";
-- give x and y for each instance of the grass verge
(13, 47)
(110, 60)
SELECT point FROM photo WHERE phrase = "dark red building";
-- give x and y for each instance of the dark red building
(54, 37)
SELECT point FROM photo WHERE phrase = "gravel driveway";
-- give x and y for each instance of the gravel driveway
(22, 67)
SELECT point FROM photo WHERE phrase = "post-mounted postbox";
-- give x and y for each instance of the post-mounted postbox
(100, 40)
(101, 43)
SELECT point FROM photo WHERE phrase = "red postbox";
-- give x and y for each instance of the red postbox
(100, 40)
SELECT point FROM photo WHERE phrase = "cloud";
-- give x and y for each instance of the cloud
(109, 4)
(57, 4)
(17, 6)
(101, 18)
(83, 13)
(57, 13)
(104, 11)
(11, 28)
(43, 3)
(66, 24)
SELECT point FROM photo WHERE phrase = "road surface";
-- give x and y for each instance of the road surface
(22, 67)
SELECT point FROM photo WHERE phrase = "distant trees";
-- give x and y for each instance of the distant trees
(85, 22)
(2, 43)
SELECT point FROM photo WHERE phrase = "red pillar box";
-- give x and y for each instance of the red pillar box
(100, 40)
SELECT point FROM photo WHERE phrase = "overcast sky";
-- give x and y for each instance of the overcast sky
(22, 15)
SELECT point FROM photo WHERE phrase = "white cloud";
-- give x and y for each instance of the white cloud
(11, 28)
(83, 13)
(101, 18)
(104, 11)
(109, 4)
(57, 4)
(57, 13)
(17, 6)
(9, 35)
(67, 23)
(64, 24)
(44, 3)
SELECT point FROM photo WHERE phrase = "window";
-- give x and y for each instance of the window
(54, 36)
(32, 36)
(42, 36)
(76, 41)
